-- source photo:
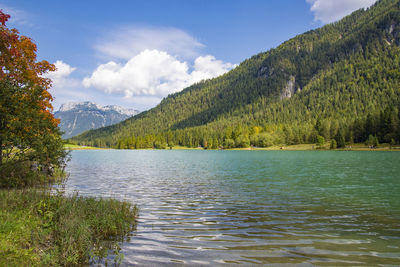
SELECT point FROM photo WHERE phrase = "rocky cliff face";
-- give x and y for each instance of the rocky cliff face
(78, 117)
(289, 90)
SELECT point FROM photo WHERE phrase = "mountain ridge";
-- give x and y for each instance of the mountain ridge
(75, 105)
(272, 90)
(78, 117)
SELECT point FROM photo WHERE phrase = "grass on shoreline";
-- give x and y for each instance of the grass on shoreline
(38, 228)
(305, 147)
(77, 147)
(298, 147)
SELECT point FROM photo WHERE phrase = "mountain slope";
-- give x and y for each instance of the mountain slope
(78, 117)
(337, 76)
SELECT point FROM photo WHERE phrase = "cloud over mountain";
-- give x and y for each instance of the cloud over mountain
(148, 63)
(154, 73)
(328, 11)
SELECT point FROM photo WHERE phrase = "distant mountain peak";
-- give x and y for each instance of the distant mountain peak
(90, 105)
(78, 117)
(126, 111)
(76, 105)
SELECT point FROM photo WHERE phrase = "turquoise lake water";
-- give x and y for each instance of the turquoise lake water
(251, 207)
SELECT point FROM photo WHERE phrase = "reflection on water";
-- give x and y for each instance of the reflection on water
(251, 207)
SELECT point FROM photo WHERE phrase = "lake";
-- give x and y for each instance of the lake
(251, 207)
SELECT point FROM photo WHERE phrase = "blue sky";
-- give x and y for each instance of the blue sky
(134, 53)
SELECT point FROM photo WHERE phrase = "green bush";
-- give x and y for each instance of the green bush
(372, 141)
(160, 145)
(229, 143)
(242, 141)
(19, 174)
(265, 140)
(40, 228)
(320, 142)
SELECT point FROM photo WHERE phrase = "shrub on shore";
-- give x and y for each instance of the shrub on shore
(41, 228)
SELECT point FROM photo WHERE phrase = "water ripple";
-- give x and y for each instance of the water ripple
(241, 207)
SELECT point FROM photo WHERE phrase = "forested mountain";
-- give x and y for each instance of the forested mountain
(78, 117)
(340, 82)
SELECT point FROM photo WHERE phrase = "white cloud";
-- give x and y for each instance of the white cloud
(206, 67)
(328, 11)
(153, 73)
(130, 41)
(60, 76)
(145, 64)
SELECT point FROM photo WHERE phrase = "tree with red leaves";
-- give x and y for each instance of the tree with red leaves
(29, 132)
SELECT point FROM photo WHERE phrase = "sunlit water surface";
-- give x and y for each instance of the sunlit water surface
(251, 207)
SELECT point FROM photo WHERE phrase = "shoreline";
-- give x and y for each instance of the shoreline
(299, 147)
(313, 147)
(77, 147)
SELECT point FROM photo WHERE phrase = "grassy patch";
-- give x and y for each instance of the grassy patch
(76, 147)
(186, 148)
(39, 228)
(281, 147)
(363, 147)
(353, 147)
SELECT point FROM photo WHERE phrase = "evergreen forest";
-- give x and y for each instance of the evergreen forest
(338, 84)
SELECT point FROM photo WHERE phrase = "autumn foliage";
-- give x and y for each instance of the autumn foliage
(19, 65)
(28, 130)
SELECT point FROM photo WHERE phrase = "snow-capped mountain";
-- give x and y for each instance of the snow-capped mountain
(78, 117)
